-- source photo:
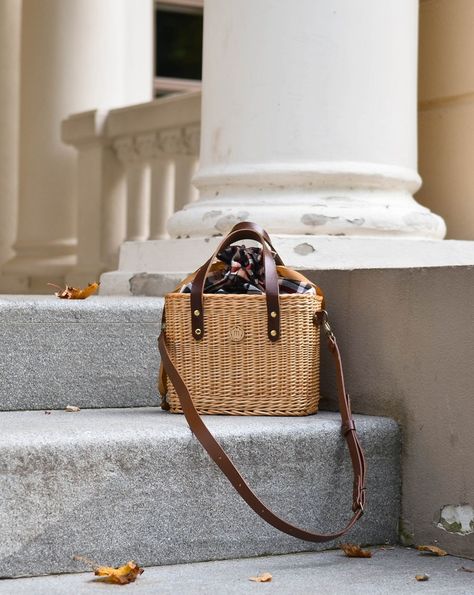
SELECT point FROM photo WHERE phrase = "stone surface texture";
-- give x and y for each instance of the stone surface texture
(120, 484)
(99, 352)
(407, 342)
(388, 571)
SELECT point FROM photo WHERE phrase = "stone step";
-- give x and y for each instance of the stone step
(98, 352)
(120, 484)
(388, 571)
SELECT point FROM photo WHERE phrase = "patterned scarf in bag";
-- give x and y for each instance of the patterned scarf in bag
(244, 273)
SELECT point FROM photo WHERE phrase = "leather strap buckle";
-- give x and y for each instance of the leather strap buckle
(359, 504)
(321, 318)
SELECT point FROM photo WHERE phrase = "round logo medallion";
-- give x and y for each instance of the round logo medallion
(236, 334)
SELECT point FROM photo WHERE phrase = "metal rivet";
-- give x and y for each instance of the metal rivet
(197, 331)
(273, 333)
(273, 314)
(197, 313)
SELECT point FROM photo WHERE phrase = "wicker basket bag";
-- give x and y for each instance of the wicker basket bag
(235, 369)
(247, 354)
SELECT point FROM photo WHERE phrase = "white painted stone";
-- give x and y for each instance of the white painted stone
(134, 168)
(309, 120)
(302, 252)
(63, 72)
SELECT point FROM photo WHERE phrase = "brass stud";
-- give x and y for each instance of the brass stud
(197, 331)
(273, 314)
(273, 333)
(197, 313)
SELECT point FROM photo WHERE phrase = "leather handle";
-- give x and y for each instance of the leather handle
(218, 455)
(255, 227)
(271, 285)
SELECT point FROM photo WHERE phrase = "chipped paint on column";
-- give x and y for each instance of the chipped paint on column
(457, 519)
(304, 249)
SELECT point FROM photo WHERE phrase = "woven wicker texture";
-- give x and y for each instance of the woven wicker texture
(235, 369)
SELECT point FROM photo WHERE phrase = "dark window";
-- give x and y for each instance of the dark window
(178, 42)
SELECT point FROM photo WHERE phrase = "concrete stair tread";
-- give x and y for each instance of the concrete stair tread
(99, 352)
(134, 483)
(387, 572)
(36, 428)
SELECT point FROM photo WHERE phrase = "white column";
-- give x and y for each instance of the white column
(135, 154)
(100, 196)
(309, 120)
(76, 55)
(138, 201)
(162, 196)
(186, 192)
(10, 15)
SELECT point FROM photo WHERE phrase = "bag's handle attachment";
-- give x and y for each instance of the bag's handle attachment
(255, 227)
(221, 459)
(250, 231)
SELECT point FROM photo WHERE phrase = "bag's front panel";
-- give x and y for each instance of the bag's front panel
(235, 369)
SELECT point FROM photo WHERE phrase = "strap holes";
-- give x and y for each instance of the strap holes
(197, 331)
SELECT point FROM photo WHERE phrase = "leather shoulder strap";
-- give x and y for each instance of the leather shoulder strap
(221, 459)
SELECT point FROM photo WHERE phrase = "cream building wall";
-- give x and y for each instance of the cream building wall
(10, 17)
(446, 113)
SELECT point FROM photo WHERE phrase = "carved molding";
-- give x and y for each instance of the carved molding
(183, 140)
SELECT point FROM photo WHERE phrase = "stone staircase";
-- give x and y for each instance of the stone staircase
(121, 479)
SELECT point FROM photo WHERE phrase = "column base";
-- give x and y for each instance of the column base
(336, 199)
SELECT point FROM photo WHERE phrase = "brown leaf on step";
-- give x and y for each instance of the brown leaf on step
(422, 577)
(355, 551)
(432, 549)
(119, 576)
(464, 569)
(266, 577)
(73, 293)
(72, 408)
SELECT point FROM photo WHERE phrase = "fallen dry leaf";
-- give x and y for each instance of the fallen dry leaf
(432, 549)
(355, 551)
(120, 576)
(72, 408)
(266, 577)
(73, 293)
(422, 577)
(464, 569)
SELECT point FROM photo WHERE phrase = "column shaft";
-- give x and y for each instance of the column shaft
(309, 120)
(75, 56)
